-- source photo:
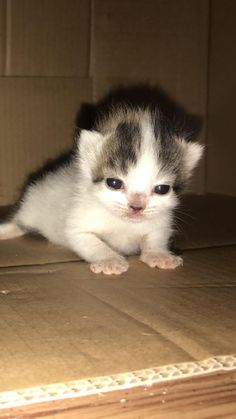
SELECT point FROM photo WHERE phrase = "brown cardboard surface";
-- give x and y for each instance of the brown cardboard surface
(202, 221)
(2, 37)
(206, 221)
(47, 38)
(37, 123)
(32, 251)
(162, 43)
(60, 322)
(221, 168)
(165, 40)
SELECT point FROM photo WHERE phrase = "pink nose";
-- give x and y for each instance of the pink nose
(137, 202)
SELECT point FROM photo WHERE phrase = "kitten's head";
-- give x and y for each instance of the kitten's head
(135, 164)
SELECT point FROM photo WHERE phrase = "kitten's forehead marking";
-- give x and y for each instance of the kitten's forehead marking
(121, 149)
(128, 142)
(168, 152)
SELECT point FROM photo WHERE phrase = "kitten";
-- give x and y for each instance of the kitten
(116, 193)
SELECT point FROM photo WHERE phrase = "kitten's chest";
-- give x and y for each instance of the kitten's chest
(124, 240)
(124, 236)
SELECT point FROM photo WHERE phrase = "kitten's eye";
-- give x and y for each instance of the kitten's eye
(162, 189)
(114, 183)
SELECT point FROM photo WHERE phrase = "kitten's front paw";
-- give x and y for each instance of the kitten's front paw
(110, 266)
(162, 261)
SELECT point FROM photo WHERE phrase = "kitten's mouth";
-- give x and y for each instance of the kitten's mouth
(135, 213)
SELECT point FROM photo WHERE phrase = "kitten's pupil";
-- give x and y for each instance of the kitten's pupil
(162, 189)
(114, 183)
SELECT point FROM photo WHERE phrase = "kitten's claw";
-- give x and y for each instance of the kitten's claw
(110, 266)
(162, 261)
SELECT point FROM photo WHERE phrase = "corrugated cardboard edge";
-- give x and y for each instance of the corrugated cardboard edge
(124, 381)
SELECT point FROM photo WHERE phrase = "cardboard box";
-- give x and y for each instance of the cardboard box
(66, 333)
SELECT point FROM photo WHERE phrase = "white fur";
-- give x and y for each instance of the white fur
(192, 154)
(94, 221)
(90, 143)
(10, 230)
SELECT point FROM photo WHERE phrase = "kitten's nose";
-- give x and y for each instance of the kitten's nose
(137, 202)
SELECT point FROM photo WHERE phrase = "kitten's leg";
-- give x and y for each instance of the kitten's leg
(10, 230)
(155, 253)
(102, 258)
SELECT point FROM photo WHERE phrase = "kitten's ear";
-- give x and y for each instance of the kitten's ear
(89, 142)
(192, 153)
(89, 146)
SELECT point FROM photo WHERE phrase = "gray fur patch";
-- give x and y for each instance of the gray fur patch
(121, 148)
(128, 142)
(169, 153)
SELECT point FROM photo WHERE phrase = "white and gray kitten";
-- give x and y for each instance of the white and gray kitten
(115, 195)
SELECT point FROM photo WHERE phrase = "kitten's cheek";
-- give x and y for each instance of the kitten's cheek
(162, 261)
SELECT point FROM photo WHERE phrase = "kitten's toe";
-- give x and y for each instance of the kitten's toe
(10, 230)
(110, 266)
(162, 261)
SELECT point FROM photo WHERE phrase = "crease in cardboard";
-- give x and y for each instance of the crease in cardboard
(188, 347)
(91, 43)
(37, 121)
(48, 39)
(149, 329)
(8, 27)
(28, 268)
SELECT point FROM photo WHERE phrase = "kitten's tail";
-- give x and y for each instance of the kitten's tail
(10, 230)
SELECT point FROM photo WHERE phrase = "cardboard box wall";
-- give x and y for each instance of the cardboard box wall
(54, 56)
(221, 145)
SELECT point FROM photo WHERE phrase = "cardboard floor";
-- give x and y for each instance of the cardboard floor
(60, 322)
